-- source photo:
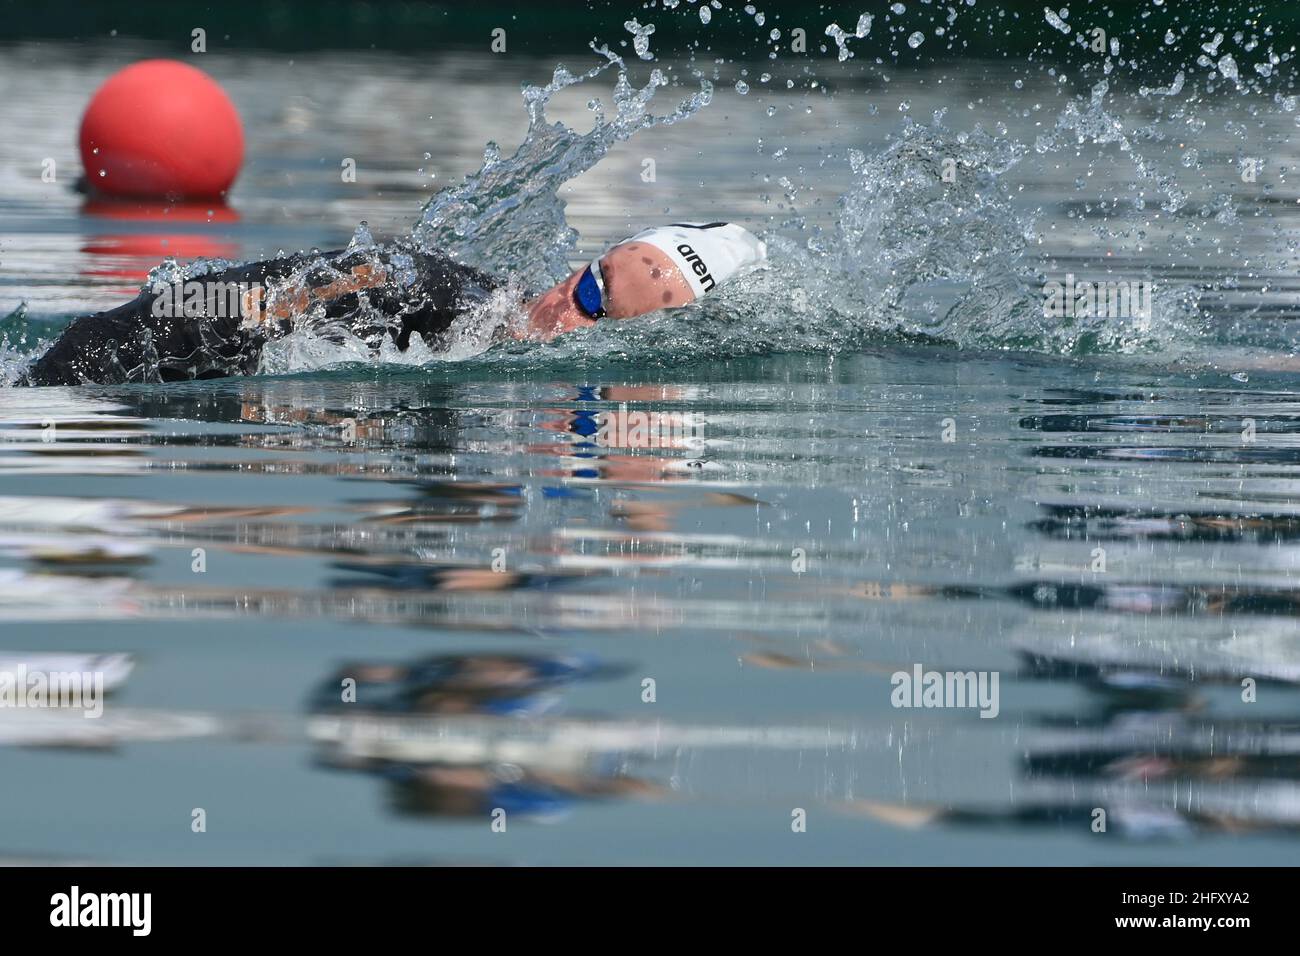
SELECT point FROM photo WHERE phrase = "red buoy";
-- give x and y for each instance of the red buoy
(161, 129)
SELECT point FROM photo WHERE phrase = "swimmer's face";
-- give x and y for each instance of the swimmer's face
(639, 279)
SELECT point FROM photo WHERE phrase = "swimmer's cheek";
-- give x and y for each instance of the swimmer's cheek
(552, 314)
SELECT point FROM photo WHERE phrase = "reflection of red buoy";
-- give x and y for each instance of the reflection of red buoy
(144, 210)
(181, 229)
(164, 129)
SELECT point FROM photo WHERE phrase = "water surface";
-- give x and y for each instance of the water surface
(1110, 526)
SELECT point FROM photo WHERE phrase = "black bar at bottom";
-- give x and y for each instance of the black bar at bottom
(237, 904)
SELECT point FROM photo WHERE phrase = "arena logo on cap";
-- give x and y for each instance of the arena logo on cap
(697, 265)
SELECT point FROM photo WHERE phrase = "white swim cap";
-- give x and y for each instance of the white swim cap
(707, 253)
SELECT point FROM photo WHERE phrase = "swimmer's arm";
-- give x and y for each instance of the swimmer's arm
(291, 302)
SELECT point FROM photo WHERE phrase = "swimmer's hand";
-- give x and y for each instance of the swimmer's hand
(662, 268)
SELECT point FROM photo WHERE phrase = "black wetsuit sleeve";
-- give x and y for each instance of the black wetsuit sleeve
(444, 290)
(424, 293)
(140, 342)
(134, 342)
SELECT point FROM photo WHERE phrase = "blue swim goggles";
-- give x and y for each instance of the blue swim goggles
(589, 293)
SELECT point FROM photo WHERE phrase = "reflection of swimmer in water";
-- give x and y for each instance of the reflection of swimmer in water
(489, 685)
(217, 325)
(477, 791)
(500, 684)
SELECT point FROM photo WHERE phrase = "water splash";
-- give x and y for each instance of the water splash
(842, 36)
(913, 252)
(508, 218)
(13, 358)
(640, 37)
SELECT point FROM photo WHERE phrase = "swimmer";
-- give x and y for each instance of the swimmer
(202, 329)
